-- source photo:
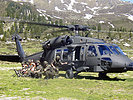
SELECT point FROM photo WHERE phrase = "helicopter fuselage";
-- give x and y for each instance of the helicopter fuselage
(93, 57)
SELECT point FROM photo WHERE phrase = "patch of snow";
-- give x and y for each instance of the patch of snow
(101, 22)
(83, 3)
(15, 0)
(111, 25)
(115, 41)
(62, 1)
(21, 3)
(121, 40)
(77, 11)
(129, 16)
(57, 9)
(49, 1)
(70, 6)
(88, 16)
(1, 36)
(94, 9)
(31, 1)
(105, 7)
(57, 17)
(110, 13)
(127, 45)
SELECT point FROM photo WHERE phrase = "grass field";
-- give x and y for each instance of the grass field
(86, 87)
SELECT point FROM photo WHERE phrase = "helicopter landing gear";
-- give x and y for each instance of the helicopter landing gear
(103, 75)
(69, 74)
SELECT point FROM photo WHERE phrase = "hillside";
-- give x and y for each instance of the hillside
(87, 11)
(108, 16)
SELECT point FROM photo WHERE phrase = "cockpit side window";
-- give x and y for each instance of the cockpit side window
(104, 50)
(65, 54)
(92, 49)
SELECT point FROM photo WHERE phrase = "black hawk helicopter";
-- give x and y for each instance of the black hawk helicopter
(82, 53)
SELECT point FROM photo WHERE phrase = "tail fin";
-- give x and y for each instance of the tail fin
(19, 47)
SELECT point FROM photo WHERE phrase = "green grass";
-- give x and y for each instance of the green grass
(86, 87)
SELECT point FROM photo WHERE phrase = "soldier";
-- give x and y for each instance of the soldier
(39, 69)
(32, 69)
(48, 70)
(56, 63)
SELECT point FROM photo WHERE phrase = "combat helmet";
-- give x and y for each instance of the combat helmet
(45, 62)
(57, 57)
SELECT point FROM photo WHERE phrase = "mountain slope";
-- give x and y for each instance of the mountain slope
(87, 11)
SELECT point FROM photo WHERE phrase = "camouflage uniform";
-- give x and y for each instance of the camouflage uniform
(38, 70)
(56, 63)
(48, 71)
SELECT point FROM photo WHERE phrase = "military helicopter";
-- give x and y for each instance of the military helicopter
(81, 53)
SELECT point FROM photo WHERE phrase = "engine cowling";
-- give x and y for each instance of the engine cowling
(57, 42)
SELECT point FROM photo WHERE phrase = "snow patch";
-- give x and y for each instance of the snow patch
(83, 3)
(62, 1)
(1, 36)
(129, 16)
(70, 6)
(57, 9)
(49, 1)
(101, 22)
(110, 13)
(127, 45)
(31, 1)
(77, 11)
(111, 25)
(57, 17)
(88, 16)
(95, 10)
(105, 7)
(115, 41)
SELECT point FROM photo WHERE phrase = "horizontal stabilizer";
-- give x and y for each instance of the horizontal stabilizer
(10, 58)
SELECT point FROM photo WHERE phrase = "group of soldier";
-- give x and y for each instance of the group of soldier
(36, 69)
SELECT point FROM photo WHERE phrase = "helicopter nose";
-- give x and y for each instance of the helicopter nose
(121, 62)
(130, 66)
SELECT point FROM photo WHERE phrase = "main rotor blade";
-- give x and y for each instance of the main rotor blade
(44, 24)
(69, 27)
(60, 31)
(5, 19)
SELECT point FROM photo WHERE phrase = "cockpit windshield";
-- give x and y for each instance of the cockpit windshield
(104, 50)
(119, 50)
(114, 50)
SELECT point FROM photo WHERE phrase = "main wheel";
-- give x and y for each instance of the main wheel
(69, 74)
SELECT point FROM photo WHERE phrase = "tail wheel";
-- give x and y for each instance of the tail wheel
(69, 74)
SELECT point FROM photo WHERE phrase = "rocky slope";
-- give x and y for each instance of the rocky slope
(110, 13)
